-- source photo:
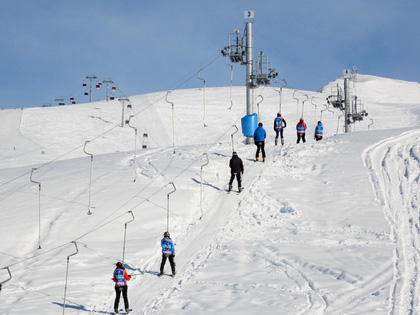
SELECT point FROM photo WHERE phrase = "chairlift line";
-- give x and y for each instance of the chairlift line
(173, 120)
(303, 104)
(39, 207)
(167, 215)
(135, 147)
(90, 176)
(204, 92)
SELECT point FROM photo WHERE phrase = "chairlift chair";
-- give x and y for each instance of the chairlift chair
(114, 88)
(86, 94)
(129, 106)
(357, 117)
(84, 84)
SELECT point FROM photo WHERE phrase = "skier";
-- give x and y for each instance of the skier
(120, 278)
(259, 138)
(301, 129)
(319, 131)
(236, 169)
(168, 251)
(279, 124)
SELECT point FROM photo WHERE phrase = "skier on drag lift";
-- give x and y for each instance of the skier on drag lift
(319, 131)
(236, 169)
(120, 278)
(301, 130)
(168, 251)
(279, 124)
(259, 138)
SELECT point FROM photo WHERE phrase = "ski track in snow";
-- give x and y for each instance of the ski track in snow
(271, 238)
(397, 190)
(221, 229)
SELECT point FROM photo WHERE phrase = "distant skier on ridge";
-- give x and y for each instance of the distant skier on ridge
(259, 138)
(236, 170)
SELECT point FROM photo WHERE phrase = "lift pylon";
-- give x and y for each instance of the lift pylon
(240, 51)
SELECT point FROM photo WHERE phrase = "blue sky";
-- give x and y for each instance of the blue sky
(48, 47)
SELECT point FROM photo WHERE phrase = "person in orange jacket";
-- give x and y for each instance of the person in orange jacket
(301, 129)
(120, 278)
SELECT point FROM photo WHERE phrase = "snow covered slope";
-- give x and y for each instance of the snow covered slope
(327, 227)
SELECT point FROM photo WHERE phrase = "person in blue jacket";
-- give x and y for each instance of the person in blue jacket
(168, 251)
(279, 125)
(259, 139)
(319, 131)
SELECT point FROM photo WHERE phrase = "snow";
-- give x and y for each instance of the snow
(329, 227)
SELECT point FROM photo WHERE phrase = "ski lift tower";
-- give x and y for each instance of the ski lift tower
(241, 53)
(90, 77)
(347, 98)
(351, 106)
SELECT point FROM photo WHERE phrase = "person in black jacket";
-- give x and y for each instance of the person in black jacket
(236, 169)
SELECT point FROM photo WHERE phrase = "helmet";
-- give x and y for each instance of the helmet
(119, 264)
(166, 234)
(234, 154)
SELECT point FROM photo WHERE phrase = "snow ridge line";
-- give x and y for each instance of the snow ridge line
(401, 212)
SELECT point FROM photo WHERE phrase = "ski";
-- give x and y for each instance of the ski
(237, 191)
(121, 311)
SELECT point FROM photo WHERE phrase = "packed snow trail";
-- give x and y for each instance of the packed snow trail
(394, 166)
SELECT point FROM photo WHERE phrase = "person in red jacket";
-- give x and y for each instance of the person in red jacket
(120, 278)
(301, 129)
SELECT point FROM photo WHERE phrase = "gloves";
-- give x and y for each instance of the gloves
(129, 276)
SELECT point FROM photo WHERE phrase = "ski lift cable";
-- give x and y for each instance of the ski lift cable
(51, 144)
(60, 246)
(61, 156)
(105, 132)
(108, 222)
(37, 255)
(100, 135)
(147, 199)
(189, 165)
(135, 206)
